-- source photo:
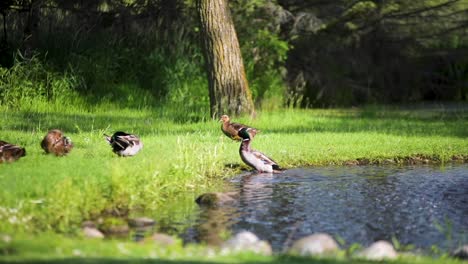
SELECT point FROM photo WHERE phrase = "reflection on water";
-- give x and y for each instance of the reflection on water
(420, 205)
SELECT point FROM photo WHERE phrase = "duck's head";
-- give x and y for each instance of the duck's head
(244, 133)
(224, 119)
(114, 136)
(67, 141)
(19, 152)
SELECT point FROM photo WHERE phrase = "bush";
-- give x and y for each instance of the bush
(29, 84)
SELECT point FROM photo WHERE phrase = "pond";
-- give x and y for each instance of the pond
(417, 205)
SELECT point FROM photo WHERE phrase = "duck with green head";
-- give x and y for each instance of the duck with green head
(124, 144)
(254, 158)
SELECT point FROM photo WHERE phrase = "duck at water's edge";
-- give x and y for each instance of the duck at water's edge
(10, 152)
(124, 144)
(231, 130)
(254, 158)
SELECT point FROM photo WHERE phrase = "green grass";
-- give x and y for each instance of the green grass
(41, 193)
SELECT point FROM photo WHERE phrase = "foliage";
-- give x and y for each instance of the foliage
(263, 50)
(303, 53)
(377, 51)
(29, 83)
(117, 62)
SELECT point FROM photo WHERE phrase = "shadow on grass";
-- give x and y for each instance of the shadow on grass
(420, 123)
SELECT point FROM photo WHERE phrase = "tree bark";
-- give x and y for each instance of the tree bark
(228, 87)
(30, 37)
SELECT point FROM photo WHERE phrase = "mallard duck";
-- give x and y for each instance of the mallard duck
(57, 143)
(254, 158)
(124, 144)
(10, 152)
(232, 129)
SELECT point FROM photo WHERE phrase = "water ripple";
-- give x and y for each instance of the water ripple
(418, 205)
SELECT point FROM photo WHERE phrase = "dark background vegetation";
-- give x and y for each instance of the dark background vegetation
(297, 53)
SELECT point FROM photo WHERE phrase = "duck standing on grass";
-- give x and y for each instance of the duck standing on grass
(124, 144)
(232, 129)
(57, 143)
(253, 158)
(10, 152)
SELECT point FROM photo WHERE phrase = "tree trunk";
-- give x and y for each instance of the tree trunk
(30, 37)
(228, 87)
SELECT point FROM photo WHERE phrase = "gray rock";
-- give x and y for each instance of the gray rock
(88, 223)
(92, 232)
(351, 163)
(141, 222)
(461, 252)
(113, 226)
(316, 244)
(246, 241)
(217, 199)
(161, 240)
(378, 251)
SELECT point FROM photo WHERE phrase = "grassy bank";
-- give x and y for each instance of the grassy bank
(41, 193)
(56, 249)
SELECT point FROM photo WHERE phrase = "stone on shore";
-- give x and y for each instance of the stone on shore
(92, 232)
(141, 222)
(316, 244)
(246, 241)
(461, 252)
(114, 227)
(378, 251)
(161, 239)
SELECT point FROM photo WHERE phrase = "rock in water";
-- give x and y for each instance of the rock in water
(217, 199)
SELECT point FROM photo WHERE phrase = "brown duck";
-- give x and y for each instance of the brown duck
(232, 129)
(10, 152)
(55, 142)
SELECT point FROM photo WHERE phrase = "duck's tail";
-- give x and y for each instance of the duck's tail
(277, 168)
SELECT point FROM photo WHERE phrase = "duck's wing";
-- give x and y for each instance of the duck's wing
(14, 151)
(230, 131)
(237, 126)
(128, 140)
(264, 158)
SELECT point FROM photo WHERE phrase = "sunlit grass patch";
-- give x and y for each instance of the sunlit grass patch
(42, 193)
